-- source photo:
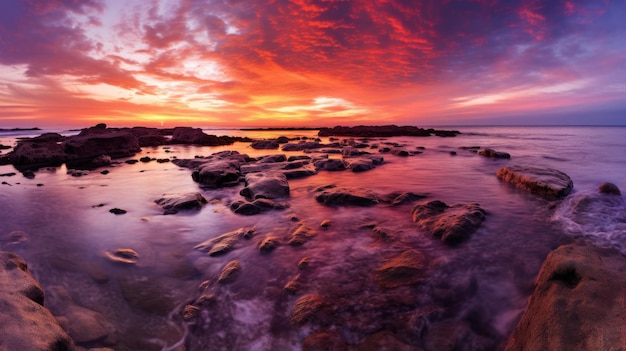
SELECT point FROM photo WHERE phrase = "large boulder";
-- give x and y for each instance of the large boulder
(578, 303)
(547, 182)
(24, 323)
(452, 224)
(332, 195)
(265, 186)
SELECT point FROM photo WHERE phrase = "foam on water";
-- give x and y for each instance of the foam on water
(599, 218)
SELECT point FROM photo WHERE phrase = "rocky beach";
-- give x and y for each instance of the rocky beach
(344, 238)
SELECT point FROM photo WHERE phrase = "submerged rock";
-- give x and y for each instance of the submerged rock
(269, 243)
(148, 294)
(301, 235)
(172, 203)
(578, 303)
(121, 255)
(491, 153)
(230, 272)
(24, 323)
(305, 308)
(265, 186)
(547, 182)
(405, 269)
(452, 224)
(225, 242)
(331, 195)
(257, 206)
(609, 188)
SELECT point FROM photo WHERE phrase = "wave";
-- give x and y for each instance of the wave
(597, 217)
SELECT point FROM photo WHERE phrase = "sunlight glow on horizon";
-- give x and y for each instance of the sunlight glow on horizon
(307, 63)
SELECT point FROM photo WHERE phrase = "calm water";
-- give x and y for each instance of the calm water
(475, 290)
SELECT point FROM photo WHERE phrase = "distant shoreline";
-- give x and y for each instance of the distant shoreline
(18, 129)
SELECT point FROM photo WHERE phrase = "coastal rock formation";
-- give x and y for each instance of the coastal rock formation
(405, 269)
(265, 186)
(383, 131)
(217, 170)
(257, 206)
(94, 142)
(578, 303)
(547, 182)
(491, 153)
(264, 144)
(303, 145)
(195, 136)
(38, 152)
(609, 188)
(172, 203)
(24, 323)
(225, 242)
(452, 224)
(329, 164)
(331, 195)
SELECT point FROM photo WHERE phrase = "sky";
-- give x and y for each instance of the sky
(291, 63)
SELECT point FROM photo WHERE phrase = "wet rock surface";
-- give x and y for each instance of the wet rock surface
(172, 203)
(547, 182)
(270, 185)
(24, 323)
(452, 224)
(577, 304)
(332, 195)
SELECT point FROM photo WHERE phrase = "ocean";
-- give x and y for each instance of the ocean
(474, 291)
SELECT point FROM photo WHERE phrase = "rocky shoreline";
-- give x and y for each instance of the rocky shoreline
(265, 186)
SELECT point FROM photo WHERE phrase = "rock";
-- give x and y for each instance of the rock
(399, 152)
(147, 294)
(365, 163)
(82, 324)
(293, 285)
(152, 140)
(145, 159)
(406, 198)
(265, 186)
(547, 182)
(225, 242)
(100, 161)
(609, 188)
(329, 164)
(24, 323)
(305, 309)
(257, 206)
(303, 145)
(230, 272)
(89, 145)
(301, 235)
(172, 203)
(13, 238)
(117, 211)
(264, 144)
(218, 170)
(273, 158)
(326, 223)
(350, 151)
(331, 195)
(190, 313)
(30, 152)
(121, 255)
(383, 131)
(452, 224)
(269, 243)
(326, 340)
(405, 269)
(578, 302)
(188, 135)
(493, 153)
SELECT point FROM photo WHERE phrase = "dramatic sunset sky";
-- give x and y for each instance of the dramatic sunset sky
(312, 62)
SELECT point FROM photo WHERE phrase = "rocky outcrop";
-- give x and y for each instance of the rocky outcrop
(264, 144)
(94, 142)
(405, 269)
(188, 135)
(303, 145)
(383, 131)
(547, 182)
(452, 224)
(331, 195)
(24, 323)
(578, 303)
(217, 170)
(609, 188)
(172, 203)
(257, 206)
(225, 242)
(265, 186)
(491, 153)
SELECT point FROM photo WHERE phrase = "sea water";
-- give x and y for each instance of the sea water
(478, 289)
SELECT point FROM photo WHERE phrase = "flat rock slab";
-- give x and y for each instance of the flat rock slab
(547, 182)
(24, 323)
(331, 195)
(452, 224)
(578, 303)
